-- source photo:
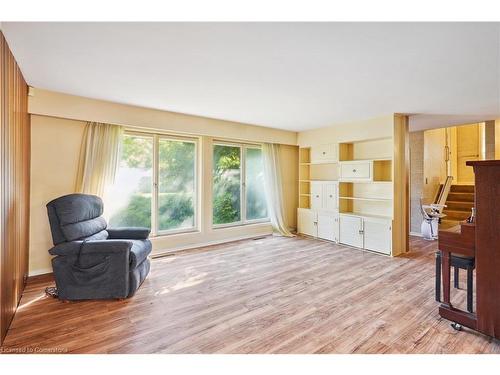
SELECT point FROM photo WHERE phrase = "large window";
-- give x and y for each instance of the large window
(156, 185)
(130, 200)
(238, 185)
(176, 185)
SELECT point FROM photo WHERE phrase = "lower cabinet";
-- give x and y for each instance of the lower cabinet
(377, 235)
(306, 222)
(370, 233)
(328, 226)
(351, 230)
(320, 224)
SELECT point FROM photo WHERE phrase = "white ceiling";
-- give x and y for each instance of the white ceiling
(293, 76)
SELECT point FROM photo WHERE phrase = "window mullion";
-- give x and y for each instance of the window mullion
(154, 198)
(243, 189)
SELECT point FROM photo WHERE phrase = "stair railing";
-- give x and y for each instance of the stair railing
(443, 194)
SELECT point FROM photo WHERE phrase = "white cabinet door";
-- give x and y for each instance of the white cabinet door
(378, 235)
(326, 226)
(351, 230)
(324, 153)
(336, 227)
(306, 222)
(316, 195)
(330, 193)
(356, 170)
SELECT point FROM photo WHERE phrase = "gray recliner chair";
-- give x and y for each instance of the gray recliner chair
(93, 261)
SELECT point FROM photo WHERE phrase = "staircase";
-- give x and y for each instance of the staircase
(459, 203)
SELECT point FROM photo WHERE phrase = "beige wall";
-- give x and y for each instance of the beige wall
(55, 104)
(434, 164)
(290, 177)
(497, 139)
(54, 156)
(376, 128)
(55, 146)
(416, 179)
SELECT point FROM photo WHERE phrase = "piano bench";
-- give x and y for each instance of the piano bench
(457, 262)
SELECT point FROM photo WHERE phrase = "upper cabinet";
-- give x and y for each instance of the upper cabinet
(324, 153)
(366, 161)
(324, 195)
(356, 170)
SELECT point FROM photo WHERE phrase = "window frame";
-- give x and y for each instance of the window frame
(243, 190)
(155, 230)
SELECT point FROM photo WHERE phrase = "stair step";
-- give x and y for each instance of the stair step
(462, 189)
(446, 224)
(459, 206)
(461, 197)
(456, 215)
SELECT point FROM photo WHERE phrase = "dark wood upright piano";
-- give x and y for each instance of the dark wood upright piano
(480, 239)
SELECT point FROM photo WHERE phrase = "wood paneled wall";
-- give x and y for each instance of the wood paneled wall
(14, 185)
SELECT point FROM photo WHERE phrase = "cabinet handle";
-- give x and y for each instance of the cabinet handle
(331, 196)
(361, 231)
(324, 153)
(354, 171)
(317, 196)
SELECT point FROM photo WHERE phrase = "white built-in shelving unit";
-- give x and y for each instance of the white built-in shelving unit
(346, 193)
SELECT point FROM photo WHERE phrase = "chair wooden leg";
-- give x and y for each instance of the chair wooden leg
(455, 277)
(438, 278)
(470, 289)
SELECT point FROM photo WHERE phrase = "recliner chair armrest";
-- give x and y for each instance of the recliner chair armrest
(106, 247)
(90, 247)
(129, 233)
(66, 248)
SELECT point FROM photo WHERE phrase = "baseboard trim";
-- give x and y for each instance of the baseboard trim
(198, 246)
(42, 271)
(43, 277)
(416, 234)
(47, 273)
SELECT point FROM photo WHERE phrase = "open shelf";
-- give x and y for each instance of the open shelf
(324, 172)
(375, 149)
(382, 170)
(323, 163)
(304, 155)
(304, 201)
(368, 199)
(362, 214)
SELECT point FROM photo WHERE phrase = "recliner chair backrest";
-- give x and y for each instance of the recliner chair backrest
(76, 217)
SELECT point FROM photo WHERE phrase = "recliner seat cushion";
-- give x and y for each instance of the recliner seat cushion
(139, 252)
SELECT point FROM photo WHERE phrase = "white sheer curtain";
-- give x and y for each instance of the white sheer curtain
(99, 158)
(274, 190)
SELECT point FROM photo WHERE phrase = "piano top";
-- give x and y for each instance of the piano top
(458, 228)
(460, 239)
(488, 163)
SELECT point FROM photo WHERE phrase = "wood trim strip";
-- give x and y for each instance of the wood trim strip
(14, 185)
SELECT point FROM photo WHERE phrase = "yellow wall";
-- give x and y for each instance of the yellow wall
(54, 156)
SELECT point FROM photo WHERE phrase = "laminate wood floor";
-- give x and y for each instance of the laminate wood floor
(271, 295)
